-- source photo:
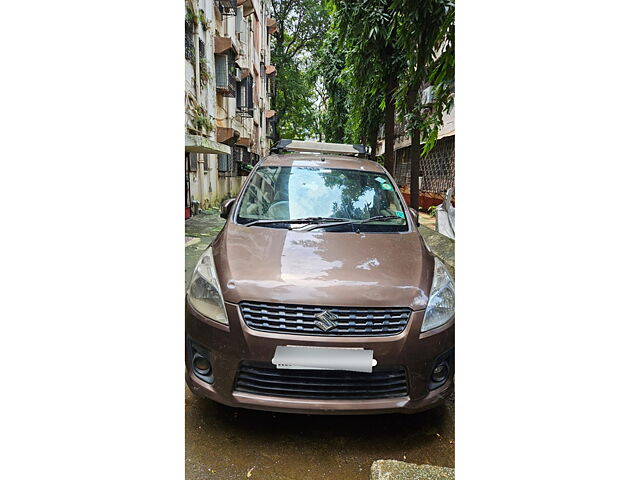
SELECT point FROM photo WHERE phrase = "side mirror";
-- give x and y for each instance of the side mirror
(416, 217)
(226, 206)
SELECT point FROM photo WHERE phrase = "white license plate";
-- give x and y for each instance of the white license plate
(295, 357)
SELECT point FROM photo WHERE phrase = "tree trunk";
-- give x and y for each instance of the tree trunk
(389, 123)
(414, 153)
(414, 149)
(373, 141)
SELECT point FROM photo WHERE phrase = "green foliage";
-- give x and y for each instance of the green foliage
(205, 72)
(301, 26)
(202, 18)
(333, 91)
(425, 35)
(336, 59)
(294, 99)
(202, 121)
(190, 14)
(366, 36)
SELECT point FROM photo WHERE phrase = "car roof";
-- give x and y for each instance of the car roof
(321, 160)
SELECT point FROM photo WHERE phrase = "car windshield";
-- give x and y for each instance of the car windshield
(288, 193)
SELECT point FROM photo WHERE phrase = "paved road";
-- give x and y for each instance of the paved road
(223, 443)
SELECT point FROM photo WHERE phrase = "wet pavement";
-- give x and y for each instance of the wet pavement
(228, 443)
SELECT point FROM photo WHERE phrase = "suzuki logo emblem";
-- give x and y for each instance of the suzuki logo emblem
(325, 321)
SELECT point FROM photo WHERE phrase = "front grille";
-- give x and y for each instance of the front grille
(266, 379)
(299, 319)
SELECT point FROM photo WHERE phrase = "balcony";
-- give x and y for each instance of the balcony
(272, 27)
(244, 142)
(228, 136)
(224, 45)
(203, 144)
(247, 6)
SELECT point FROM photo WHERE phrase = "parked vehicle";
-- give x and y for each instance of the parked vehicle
(319, 295)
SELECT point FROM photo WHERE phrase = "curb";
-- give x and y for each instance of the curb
(395, 470)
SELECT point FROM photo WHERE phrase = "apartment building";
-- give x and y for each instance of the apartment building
(229, 82)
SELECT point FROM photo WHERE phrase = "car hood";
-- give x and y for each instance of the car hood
(278, 265)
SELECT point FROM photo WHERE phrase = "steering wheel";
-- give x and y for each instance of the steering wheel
(278, 210)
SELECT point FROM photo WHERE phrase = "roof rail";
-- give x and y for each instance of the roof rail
(285, 145)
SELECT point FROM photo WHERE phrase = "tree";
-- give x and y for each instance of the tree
(367, 35)
(333, 91)
(425, 38)
(301, 26)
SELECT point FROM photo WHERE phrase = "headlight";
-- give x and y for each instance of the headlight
(204, 290)
(441, 305)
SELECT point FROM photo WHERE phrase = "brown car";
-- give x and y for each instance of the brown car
(319, 295)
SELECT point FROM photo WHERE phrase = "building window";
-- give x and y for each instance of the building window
(222, 71)
(189, 49)
(224, 162)
(244, 97)
(227, 167)
(192, 163)
(226, 73)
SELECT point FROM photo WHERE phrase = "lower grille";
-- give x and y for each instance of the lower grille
(265, 379)
(301, 319)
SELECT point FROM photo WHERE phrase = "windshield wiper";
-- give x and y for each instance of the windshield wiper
(378, 218)
(315, 220)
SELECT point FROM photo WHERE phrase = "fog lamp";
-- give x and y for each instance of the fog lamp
(201, 364)
(440, 373)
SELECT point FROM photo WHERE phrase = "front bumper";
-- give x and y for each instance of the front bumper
(229, 345)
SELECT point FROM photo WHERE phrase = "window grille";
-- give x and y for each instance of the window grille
(189, 49)
(237, 154)
(271, 85)
(244, 97)
(222, 71)
(250, 93)
(193, 161)
(225, 75)
(226, 165)
(437, 169)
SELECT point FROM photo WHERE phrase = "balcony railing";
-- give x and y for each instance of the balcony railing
(244, 112)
